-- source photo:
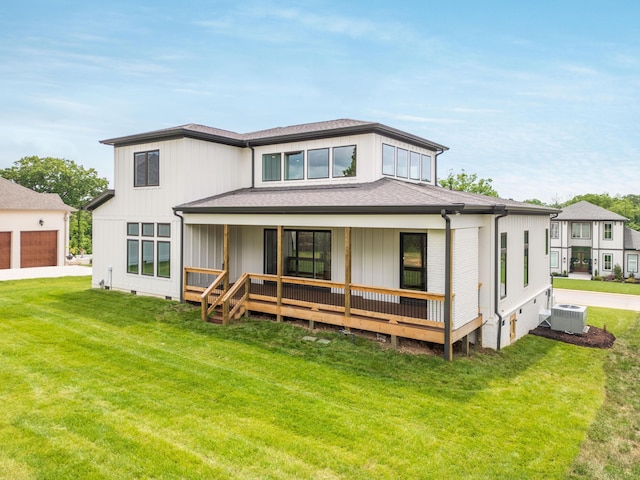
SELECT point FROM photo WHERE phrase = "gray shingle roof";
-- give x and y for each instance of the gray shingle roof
(631, 239)
(584, 210)
(306, 131)
(17, 197)
(384, 195)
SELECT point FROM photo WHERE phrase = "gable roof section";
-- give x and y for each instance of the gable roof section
(584, 210)
(306, 131)
(631, 239)
(382, 196)
(17, 197)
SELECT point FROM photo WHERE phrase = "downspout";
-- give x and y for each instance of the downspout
(496, 294)
(181, 275)
(448, 354)
(253, 165)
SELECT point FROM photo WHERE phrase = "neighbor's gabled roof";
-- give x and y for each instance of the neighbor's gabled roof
(586, 211)
(17, 197)
(631, 239)
(293, 133)
(381, 196)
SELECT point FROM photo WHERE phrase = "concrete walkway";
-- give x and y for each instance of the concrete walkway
(44, 272)
(598, 299)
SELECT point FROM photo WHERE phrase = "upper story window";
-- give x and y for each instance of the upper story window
(344, 161)
(403, 163)
(271, 167)
(388, 159)
(294, 166)
(146, 171)
(316, 164)
(581, 230)
(607, 233)
(555, 230)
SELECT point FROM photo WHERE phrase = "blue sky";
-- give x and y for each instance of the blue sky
(542, 97)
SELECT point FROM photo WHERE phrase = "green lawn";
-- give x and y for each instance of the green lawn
(591, 286)
(99, 384)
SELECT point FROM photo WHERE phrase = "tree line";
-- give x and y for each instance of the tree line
(75, 184)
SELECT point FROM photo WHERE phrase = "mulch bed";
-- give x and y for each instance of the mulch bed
(594, 338)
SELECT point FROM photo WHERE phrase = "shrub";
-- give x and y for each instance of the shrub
(596, 278)
(610, 278)
(617, 272)
(631, 280)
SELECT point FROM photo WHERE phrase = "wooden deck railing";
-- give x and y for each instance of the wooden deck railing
(203, 285)
(391, 311)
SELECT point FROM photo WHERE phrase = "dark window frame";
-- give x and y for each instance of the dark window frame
(347, 171)
(311, 158)
(388, 164)
(143, 169)
(270, 163)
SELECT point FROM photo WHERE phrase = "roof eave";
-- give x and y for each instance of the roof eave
(326, 209)
(101, 199)
(172, 134)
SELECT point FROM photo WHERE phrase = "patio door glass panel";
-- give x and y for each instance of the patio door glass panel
(413, 261)
(306, 253)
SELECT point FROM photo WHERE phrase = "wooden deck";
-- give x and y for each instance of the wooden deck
(400, 313)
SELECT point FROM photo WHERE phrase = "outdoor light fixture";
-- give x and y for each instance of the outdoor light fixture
(41, 222)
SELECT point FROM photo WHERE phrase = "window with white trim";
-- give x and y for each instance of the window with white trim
(607, 232)
(632, 263)
(554, 260)
(607, 261)
(555, 230)
(581, 230)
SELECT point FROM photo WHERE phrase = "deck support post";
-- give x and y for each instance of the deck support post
(465, 345)
(347, 274)
(225, 255)
(394, 342)
(279, 273)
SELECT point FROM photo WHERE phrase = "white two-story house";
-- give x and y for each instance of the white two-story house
(586, 238)
(339, 222)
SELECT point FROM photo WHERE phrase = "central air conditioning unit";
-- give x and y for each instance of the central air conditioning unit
(569, 318)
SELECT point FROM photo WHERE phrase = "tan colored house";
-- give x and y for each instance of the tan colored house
(34, 227)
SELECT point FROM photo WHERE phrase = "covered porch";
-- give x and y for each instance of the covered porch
(412, 313)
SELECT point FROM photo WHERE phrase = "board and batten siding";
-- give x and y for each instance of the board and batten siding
(528, 301)
(465, 275)
(189, 170)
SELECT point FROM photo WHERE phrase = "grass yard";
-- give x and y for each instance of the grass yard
(100, 384)
(591, 286)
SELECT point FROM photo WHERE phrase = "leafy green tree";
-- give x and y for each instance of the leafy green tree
(75, 184)
(535, 201)
(468, 182)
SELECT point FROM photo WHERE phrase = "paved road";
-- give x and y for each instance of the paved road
(597, 299)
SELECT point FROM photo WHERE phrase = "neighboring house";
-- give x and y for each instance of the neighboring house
(338, 222)
(34, 227)
(631, 252)
(590, 239)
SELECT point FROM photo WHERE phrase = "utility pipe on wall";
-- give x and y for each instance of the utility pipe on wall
(448, 353)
